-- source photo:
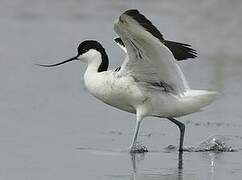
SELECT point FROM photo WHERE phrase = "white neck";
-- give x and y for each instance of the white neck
(92, 78)
(93, 58)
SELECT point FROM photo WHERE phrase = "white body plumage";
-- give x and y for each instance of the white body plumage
(125, 93)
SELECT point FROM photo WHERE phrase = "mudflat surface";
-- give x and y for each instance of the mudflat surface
(51, 128)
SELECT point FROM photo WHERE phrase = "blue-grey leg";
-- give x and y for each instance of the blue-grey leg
(182, 131)
(136, 132)
(141, 111)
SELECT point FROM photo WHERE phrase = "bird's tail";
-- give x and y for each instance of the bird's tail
(195, 100)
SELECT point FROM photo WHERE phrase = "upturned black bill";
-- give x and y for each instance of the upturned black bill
(57, 64)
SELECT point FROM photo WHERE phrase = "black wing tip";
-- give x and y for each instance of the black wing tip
(131, 12)
(181, 51)
(145, 23)
(119, 41)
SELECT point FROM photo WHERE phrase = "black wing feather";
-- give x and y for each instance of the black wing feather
(119, 41)
(145, 23)
(180, 51)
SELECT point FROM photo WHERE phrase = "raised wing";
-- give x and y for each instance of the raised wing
(180, 51)
(149, 58)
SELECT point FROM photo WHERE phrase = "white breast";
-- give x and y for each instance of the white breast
(118, 92)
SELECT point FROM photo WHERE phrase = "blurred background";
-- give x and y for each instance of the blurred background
(47, 116)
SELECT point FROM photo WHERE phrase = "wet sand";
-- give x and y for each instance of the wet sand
(51, 128)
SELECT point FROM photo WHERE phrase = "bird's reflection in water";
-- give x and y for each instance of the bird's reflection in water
(212, 159)
(180, 165)
(136, 158)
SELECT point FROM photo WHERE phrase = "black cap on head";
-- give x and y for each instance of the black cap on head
(92, 44)
(89, 44)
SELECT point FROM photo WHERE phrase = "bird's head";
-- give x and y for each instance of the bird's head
(87, 52)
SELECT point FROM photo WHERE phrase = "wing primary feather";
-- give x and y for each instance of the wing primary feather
(181, 51)
(119, 41)
(145, 23)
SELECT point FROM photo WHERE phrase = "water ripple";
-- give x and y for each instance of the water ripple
(217, 143)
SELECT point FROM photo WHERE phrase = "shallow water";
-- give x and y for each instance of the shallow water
(51, 128)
